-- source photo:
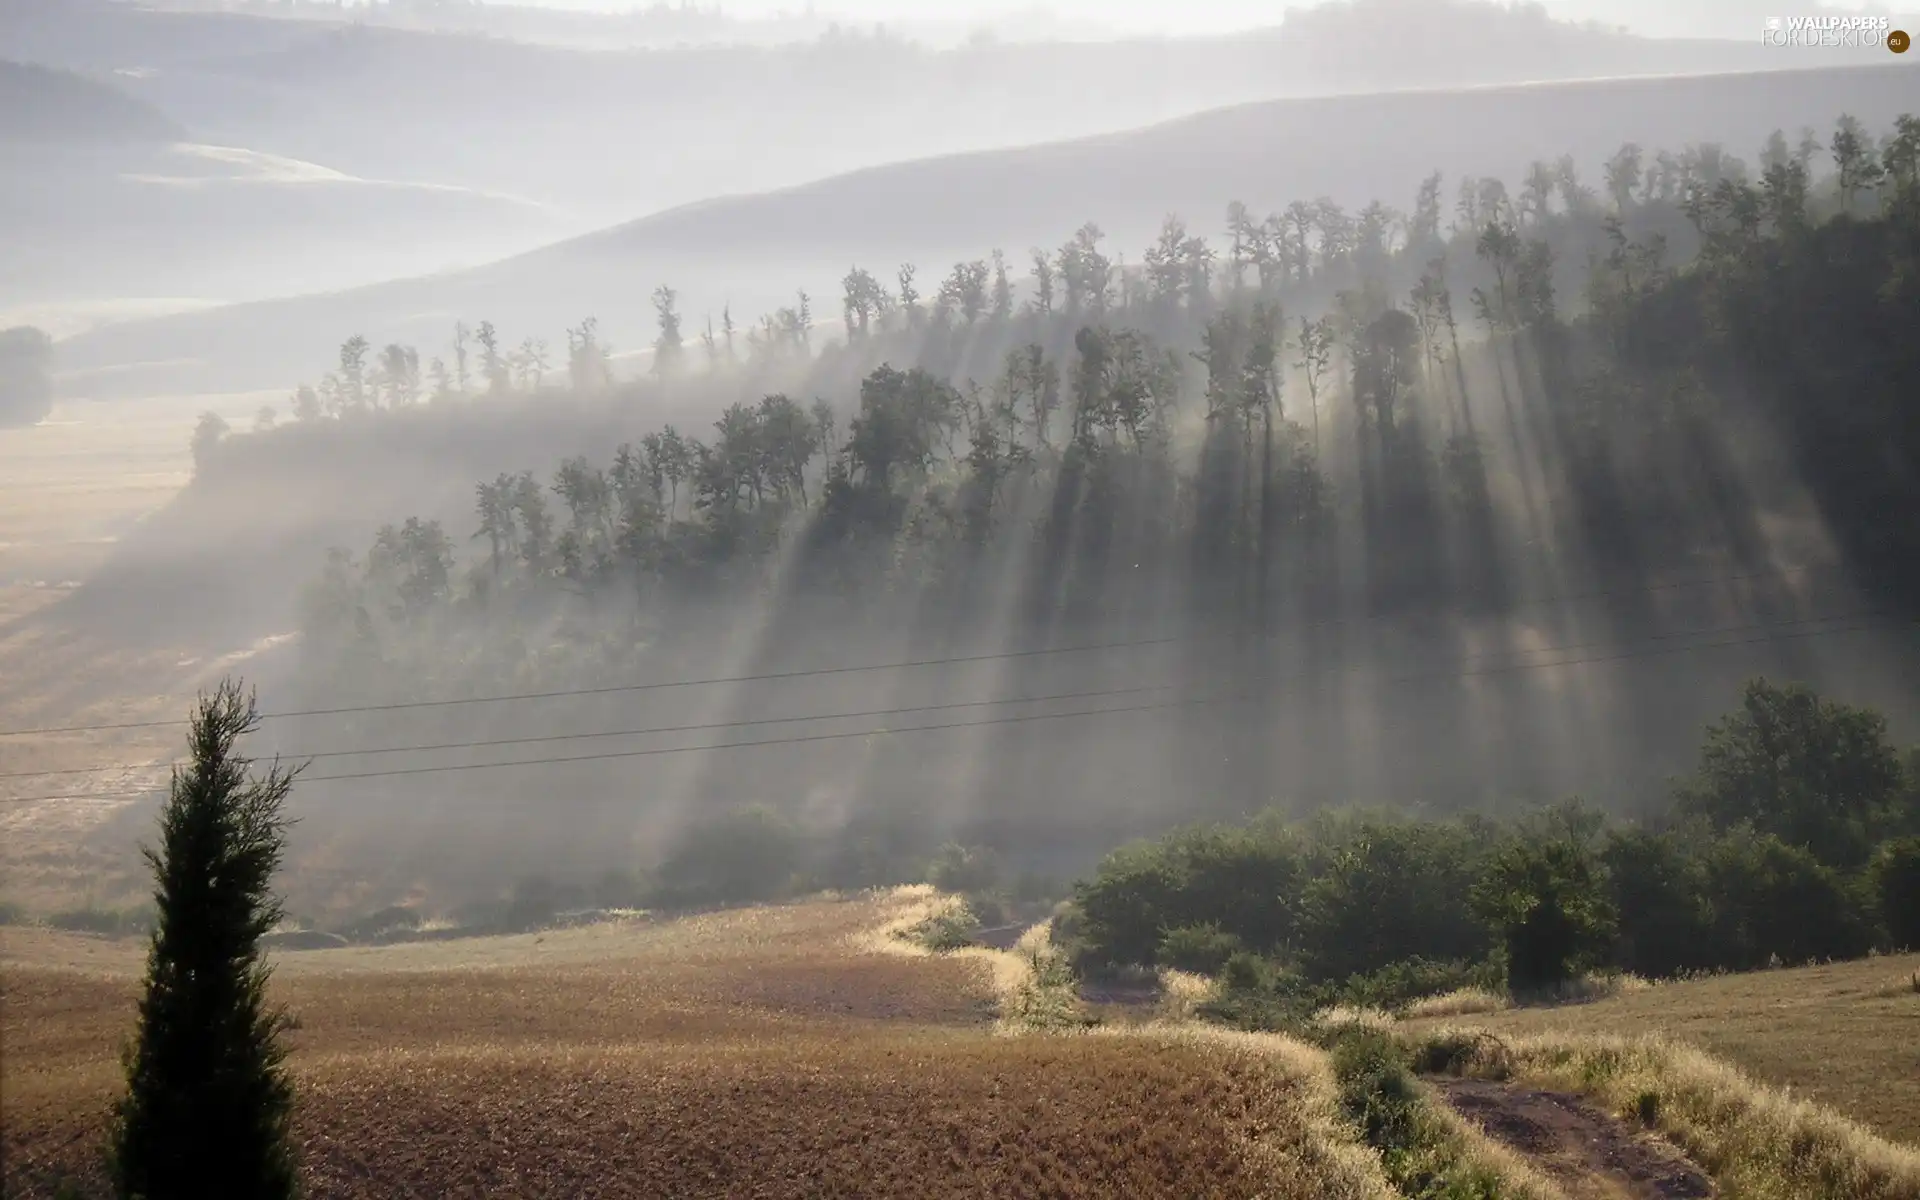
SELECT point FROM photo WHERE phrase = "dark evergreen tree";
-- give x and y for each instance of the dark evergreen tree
(208, 1102)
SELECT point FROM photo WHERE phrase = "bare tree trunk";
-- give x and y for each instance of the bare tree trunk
(1266, 519)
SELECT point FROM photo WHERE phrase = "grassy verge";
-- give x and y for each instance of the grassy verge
(1755, 1141)
(1040, 994)
(944, 931)
(1472, 1001)
(1427, 1150)
(1840, 1034)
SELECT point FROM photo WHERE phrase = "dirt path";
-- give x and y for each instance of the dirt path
(1592, 1155)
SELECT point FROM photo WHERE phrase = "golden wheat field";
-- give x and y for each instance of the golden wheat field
(771, 1052)
(1846, 1035)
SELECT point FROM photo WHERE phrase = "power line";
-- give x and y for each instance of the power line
(900, 710)
(989, 722)
(814, 672)
(570, 737)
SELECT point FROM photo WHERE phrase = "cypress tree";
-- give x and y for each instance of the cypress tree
(208, 1104)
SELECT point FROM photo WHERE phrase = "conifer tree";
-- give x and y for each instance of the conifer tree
(208, 1101)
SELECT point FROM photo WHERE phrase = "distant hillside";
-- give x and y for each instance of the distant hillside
(617, 132)
(754, 250)
(109, 35)
(45, 105)
(598, 137)
(89, 221)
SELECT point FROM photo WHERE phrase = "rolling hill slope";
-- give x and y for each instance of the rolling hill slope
(40, 105)
(754, 250)
(94, 221)
(626, 130)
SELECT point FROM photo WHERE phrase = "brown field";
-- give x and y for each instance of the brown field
(1846, 1035)
(775, 1052)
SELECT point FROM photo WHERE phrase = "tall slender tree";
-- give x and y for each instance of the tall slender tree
(208, 1106)
(667, 347)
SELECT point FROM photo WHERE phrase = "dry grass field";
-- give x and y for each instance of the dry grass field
(1845, 1035)
(773, 1052)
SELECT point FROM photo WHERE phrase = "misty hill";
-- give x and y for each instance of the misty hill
(1525, 565)
(660, 23)
(44, 105)
(613, 133)
(112, 35)
(101, 220)
(754, 250)
(602, 136)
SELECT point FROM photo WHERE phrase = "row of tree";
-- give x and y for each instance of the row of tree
(1279, 469)
(1797, 839)
(1310, 249)
(953, 455)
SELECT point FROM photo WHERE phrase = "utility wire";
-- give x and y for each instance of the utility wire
(571, 737)
(1230, 698)
(895, 711)
(814, 672)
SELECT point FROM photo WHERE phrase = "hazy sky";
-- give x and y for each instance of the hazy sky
(1722, 18)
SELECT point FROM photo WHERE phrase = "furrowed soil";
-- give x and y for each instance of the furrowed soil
(773, 1052)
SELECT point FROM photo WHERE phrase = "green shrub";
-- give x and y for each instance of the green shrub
(1895, 877)
(1422, 1155)
(533, 904)
(1245, 972)
(1203, 948)
(949, 930)
(1814, 772)
(1659, 893)
(1067, 923)
(964, 869)
(1776, 901)
(1386, 891)
(615, 888)
(1136, 893)
(1548, 901)
(1031, 887)
(1459, 1052)
(1378, 911)
(1242, 880)
(877, 847)
(1255, 994)
(1401, 983)
(389, 920)
(742, 857)
(113, 922)
(1377, 1091)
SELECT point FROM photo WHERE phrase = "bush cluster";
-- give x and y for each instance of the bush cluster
(1793, 842)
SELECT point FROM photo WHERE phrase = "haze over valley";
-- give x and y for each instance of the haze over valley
(670, 562)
